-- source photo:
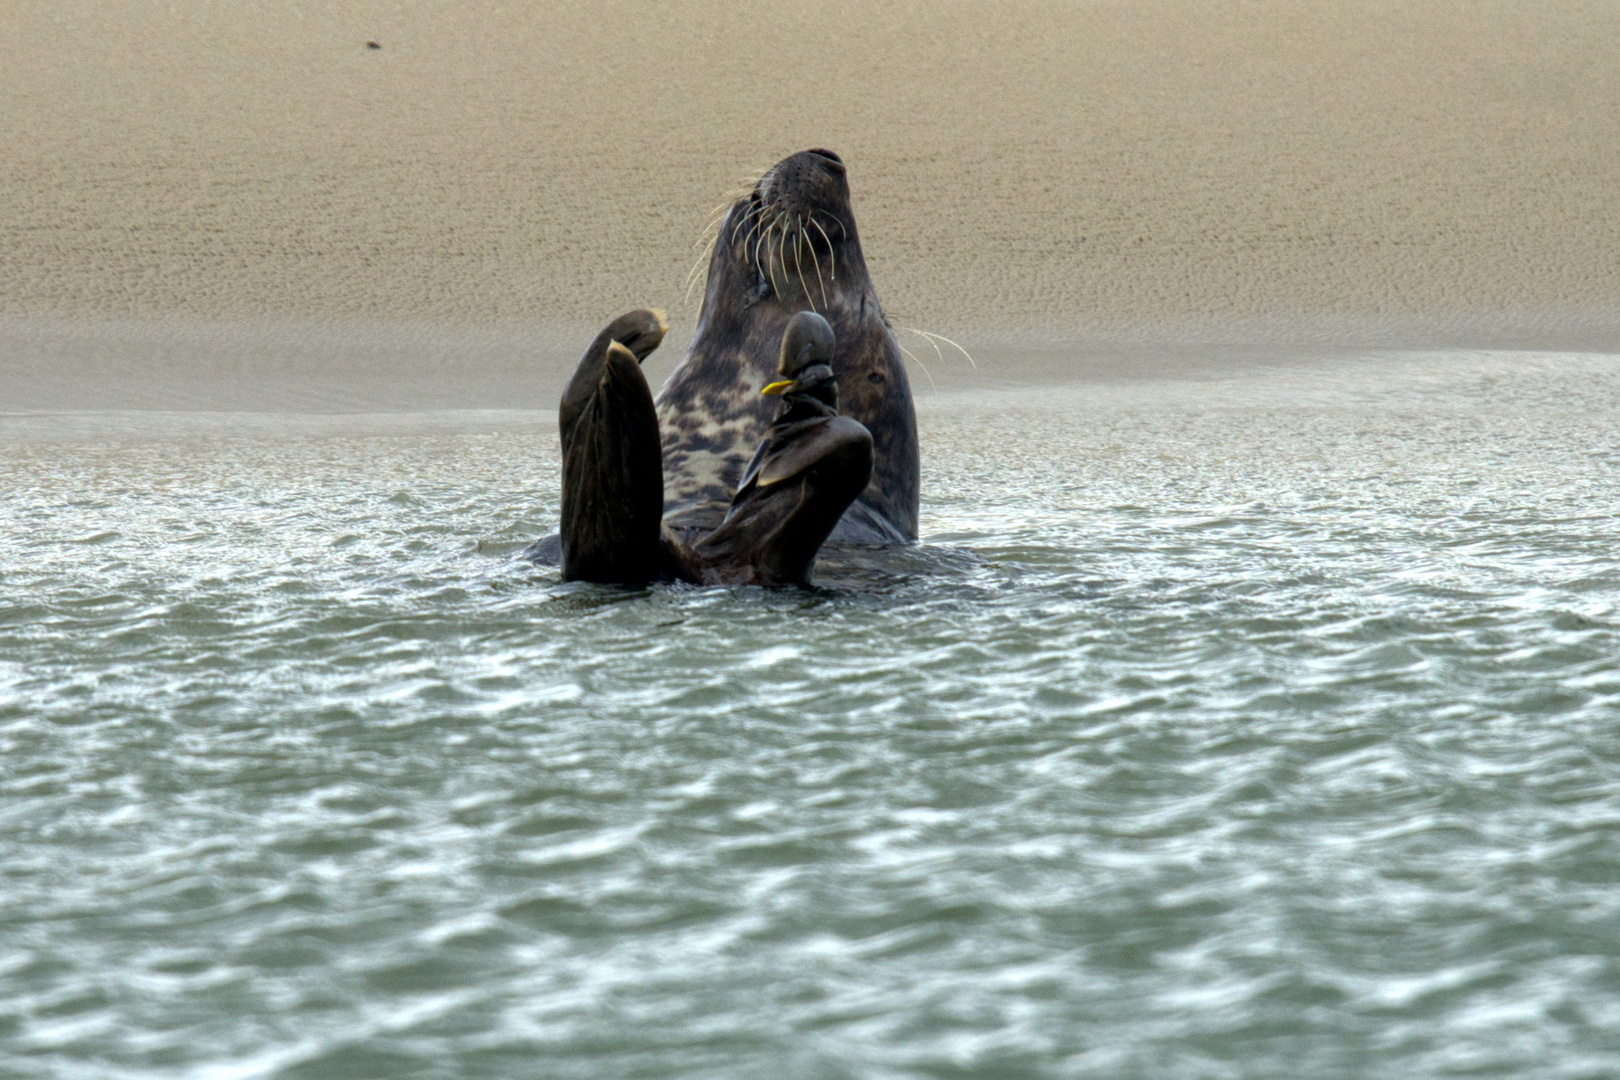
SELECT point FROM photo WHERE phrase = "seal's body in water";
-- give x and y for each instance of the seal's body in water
(809, 468)
(787, 245)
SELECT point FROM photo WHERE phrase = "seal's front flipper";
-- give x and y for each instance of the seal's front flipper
(613, 472)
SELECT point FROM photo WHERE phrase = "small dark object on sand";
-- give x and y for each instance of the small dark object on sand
(373, 44)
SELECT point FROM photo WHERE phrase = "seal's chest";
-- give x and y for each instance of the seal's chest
(704, 463)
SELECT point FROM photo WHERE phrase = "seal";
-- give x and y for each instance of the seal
(787, 245)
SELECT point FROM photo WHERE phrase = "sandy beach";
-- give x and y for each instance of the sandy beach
(1027, 174)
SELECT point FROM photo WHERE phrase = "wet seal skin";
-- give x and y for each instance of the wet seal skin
(787, 245)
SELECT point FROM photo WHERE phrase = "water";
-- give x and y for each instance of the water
(1259, 724)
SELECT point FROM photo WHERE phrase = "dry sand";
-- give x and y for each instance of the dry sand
(1024, 172)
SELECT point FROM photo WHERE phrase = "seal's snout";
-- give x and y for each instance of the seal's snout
(789, 233)
(810, 178)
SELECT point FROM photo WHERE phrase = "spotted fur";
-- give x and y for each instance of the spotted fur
(789, 244)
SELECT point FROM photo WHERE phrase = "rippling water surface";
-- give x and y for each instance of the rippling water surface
(1252, 726)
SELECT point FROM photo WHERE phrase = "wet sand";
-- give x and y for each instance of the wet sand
(200, 192)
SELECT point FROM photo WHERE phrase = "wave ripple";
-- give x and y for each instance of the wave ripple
(1200, 739)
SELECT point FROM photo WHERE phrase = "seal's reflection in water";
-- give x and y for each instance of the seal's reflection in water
(807, 470)
(841, 572)
(878, 569)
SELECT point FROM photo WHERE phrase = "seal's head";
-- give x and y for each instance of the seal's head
(787, 245)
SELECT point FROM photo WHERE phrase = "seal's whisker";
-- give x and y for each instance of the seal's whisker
(928, 339)
(920, 364)
(831, 255)
(752, 214)
(752, 229)
(708, 239)
(798, 261)
(817, 261)
(748, 240)
(699, 268)
(751, 211)
(949, 342)
(774, 259)
(802, 285)
(714, 225)
(756, 221)
(762, 254)
(700, 265)
(717, 216)
(765, 231)
(780, 258)
(747, 187)
(742, 219)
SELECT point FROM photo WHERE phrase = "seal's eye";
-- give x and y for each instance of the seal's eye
(876, 378)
